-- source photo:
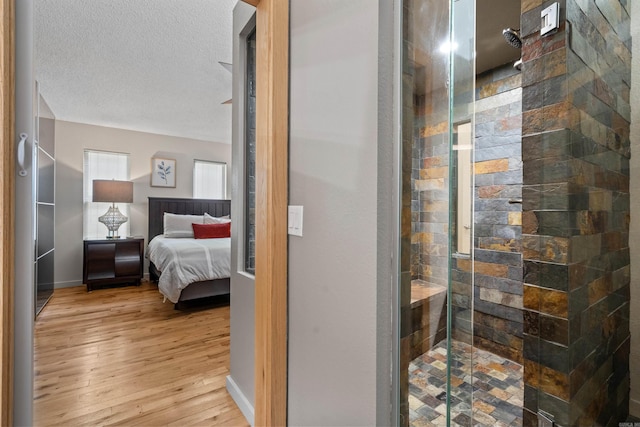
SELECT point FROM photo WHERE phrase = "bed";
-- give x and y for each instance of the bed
(197, 290)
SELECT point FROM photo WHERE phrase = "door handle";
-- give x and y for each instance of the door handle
(21, 150)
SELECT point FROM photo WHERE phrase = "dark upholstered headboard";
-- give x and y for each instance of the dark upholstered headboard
(159, 205)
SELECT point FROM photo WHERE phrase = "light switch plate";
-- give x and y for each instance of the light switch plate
(295, 220)
(550, 19)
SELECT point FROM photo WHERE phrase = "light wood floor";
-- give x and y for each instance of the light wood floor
(121, 356)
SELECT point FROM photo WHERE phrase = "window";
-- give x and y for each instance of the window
(209, 180)
(250, 157)
(463, 148)
(102, 165)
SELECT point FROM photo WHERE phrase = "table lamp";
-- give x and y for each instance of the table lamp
(112, 191)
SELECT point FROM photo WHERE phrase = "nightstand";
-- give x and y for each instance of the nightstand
(112, 261)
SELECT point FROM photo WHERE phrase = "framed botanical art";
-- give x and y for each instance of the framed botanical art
(163, 172)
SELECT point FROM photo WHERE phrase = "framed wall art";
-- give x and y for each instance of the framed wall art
(163, 172)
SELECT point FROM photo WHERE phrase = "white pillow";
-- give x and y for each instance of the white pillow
(180, 225)
(208, 219)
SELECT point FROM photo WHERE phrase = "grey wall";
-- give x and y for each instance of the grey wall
(634, 233)
(240, 382)
(71, 141)
(333, 174)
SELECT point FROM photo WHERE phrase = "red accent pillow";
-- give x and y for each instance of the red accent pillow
(211, 231)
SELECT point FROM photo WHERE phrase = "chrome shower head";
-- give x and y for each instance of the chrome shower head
(512, 37)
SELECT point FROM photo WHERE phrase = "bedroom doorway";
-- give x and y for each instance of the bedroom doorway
(271, 240)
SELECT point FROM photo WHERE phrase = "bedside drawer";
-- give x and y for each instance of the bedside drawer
(108, 262)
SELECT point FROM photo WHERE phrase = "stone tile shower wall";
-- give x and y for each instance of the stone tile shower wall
(430, 184)
(575, 222)
(497, 291)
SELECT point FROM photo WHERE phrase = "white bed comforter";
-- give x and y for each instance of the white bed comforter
(184, 261)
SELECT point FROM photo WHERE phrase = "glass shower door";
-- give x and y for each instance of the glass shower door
(436, 295)
(462, 346)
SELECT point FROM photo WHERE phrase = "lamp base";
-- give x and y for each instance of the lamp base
(113, 219)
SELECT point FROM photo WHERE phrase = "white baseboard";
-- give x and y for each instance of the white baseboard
(634, 407)
(69, 284)
(241, 400)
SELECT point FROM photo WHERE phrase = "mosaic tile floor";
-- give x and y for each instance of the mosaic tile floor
(496, 385)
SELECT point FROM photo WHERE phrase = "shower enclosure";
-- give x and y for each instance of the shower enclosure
(514, 257)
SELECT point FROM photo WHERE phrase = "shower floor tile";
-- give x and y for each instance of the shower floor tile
(494, 382)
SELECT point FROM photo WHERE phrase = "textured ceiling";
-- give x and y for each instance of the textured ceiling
(145, 65)
(153, 65)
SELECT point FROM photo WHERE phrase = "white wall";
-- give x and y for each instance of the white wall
(71, 141)
(333, 174)
(634, 235)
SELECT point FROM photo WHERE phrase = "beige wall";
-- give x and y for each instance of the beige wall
(71, 141)
(634, 237)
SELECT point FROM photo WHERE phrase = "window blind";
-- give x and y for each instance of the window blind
(102, 165)
(209, 180)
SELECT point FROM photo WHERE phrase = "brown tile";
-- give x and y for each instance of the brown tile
(531, 373)
(531, 297)
(483, 406)
(555, 63)
(529, 222)
(559, 116)
(488, 90)
(434, 172)
(490, 269)
(556, 249)
(599, 289)
(532, 121)
(530, 246)
(498, 244)
(554, 383)
(491, 166)
(614, 241)
(515, 218)
(554, 302)
(508, 123)
(531, 324)
(500, 394)
(490, 191)
(432, 162)
(436, 129)
(422, 238)
(532, 49)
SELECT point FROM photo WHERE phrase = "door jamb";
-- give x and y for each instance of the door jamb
(7, 198)
(272, 113)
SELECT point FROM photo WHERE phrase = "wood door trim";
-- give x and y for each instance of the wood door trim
(7, 196)
(272, 165)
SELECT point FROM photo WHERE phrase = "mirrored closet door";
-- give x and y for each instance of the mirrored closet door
(44, 226)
